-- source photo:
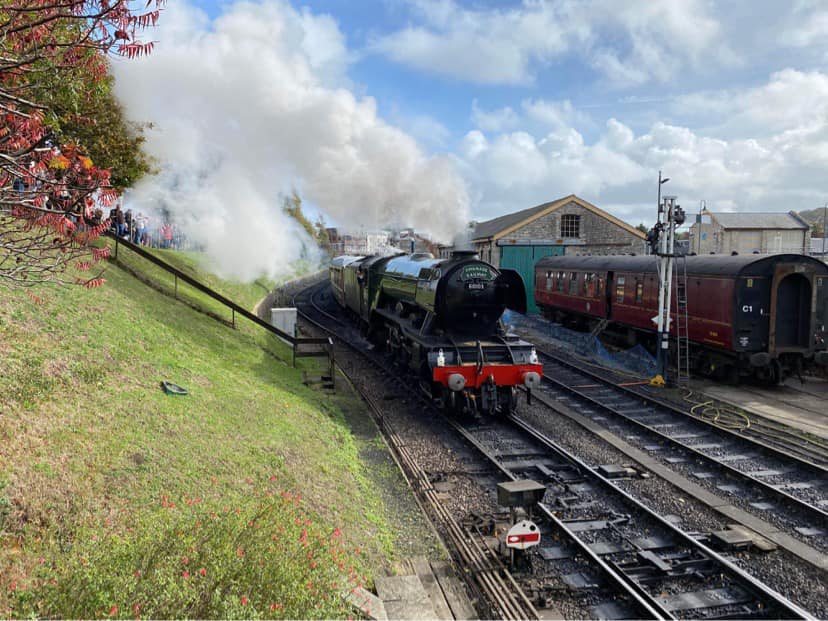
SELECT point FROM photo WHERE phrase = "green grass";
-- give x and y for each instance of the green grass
(193, 264)
(94, 454)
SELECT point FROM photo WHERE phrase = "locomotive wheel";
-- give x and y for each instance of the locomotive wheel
(507, 401)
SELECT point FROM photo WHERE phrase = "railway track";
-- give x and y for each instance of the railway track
(506, 596)
(667, 574)
(785, 490)
(772, 434)
(489, 578)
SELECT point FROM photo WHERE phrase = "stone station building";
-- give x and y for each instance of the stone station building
(569, 225)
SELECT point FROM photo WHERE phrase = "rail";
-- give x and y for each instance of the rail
(296, 342)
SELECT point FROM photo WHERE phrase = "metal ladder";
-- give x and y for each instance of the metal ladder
(682, 324)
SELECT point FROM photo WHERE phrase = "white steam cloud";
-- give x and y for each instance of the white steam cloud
(254, 104)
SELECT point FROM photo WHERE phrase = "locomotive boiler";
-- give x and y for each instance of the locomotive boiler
(441, 320)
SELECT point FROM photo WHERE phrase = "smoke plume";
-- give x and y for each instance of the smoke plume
(256, 103)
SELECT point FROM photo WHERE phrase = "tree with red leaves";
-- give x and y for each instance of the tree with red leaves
(52, 196)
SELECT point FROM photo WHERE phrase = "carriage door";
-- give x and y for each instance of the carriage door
(364, 302)
(792, 324)
(608, 291)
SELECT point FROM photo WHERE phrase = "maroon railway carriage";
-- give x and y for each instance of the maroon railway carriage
(760, 315)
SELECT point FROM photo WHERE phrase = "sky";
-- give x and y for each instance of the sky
(430, 114)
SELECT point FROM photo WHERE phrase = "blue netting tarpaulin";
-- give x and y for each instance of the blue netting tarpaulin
(635, 360)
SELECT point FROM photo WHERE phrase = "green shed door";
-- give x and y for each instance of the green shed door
(522, 259)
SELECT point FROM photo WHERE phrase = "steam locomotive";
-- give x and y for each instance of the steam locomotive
(441, 320)
(760, 316)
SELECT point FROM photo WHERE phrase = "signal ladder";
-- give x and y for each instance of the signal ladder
(682, 325)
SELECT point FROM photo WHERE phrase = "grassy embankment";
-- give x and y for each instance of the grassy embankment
(244, 499)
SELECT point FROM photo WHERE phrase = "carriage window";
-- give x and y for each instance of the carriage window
(600, 286)
(619, 289)
(570, 225)
(560, 281)
(639, 292)
(573, 283)
(589, 285)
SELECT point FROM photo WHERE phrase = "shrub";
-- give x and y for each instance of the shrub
(256, 555)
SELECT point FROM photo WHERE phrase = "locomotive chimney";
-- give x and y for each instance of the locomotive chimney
(458, 255)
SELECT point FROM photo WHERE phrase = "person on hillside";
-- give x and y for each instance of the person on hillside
(128, 224)
(140, 229)
(120, 221)
(167, 234)
(113, 219)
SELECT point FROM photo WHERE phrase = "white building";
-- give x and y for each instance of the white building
(748, 233)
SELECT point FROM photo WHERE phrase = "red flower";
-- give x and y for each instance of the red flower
(273, 606)
(244, 600)
(135, 608)
(113, 611)
(202, 571)
(185, 574)
(240, 552)
(337, 532)
(185, 560)
(313, 564)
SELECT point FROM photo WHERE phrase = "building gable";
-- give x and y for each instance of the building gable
(505, 225)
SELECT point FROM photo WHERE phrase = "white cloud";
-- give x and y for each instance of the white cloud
(791, 99)
(254, 104)
(807, 25)
(554, 114)
(494, 120)
(488, 46)
(626, 41)
(772, 157)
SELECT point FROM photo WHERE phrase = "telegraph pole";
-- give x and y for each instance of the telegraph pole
(670, 217)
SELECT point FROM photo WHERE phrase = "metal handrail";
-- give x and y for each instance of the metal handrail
(295, 341)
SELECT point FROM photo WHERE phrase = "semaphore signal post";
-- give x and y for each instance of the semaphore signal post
(663, 244)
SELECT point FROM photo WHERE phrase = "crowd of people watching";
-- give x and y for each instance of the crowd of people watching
(138, 228)
(144, 230)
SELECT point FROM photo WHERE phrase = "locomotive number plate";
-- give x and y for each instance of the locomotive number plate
(475, 285)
